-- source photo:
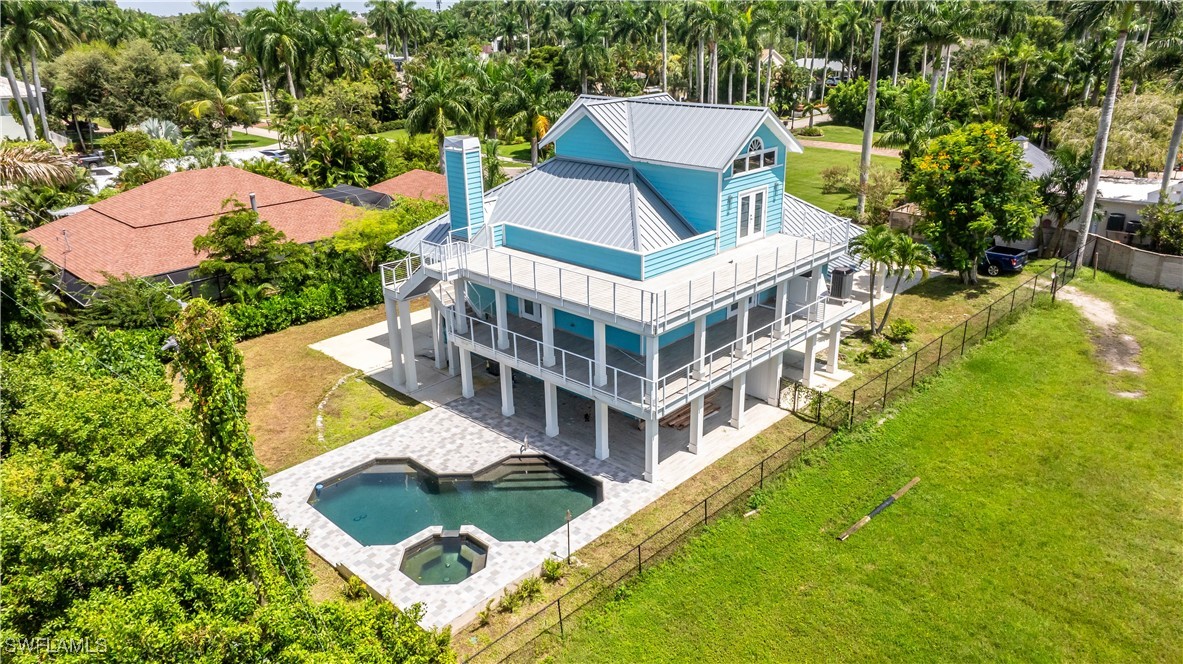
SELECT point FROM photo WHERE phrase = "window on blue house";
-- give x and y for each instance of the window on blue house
(756, 158)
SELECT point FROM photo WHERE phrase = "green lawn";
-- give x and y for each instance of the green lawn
(1046, 525)
(239, 140)
(803, 174)
(839, 134)
(392, 135)
(516, 151)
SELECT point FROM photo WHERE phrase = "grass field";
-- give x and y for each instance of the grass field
(392, 135)
(803, 175)
(1046, 525)
(239, 140)
(516, 151)
(835, 133)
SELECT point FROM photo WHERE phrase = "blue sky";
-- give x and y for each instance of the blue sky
(172, 7)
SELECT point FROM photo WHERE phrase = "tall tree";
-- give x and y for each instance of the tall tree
(438, 102)
(37, 28)
(531, 104)
(213, 26)
(869, 120)
(905, 258)
(210, 89)
(1085, 15)
(279, 38)
(875, 247)
(1062, 192)
(586, 48)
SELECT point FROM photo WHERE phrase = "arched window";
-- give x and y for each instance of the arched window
(756, 145)
(756, 158)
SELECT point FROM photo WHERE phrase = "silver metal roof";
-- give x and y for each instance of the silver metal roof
(801, 219)
(434, 231)
(607, 205)
(1038, 161)
(657, 128)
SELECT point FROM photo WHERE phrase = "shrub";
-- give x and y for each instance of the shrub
(901, 330)
(126, 145)
(510, 602)
(552, 570)
(165, 149)
(862, 357)
(881, 348)
(838, 180)
(530, 589)
(391, 125)
(355, 588)
(485, 616)
(809, 131)
(848, 102)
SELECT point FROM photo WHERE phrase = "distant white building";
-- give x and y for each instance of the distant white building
(819, 64)
(10, 125)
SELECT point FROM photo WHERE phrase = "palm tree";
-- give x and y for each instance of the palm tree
(17, 98)
(874, 246)
(910, 124)
(210, 88)
(905, 258)
(213, 25)
(734, 55)
(28, 164)
(586, 49)
(869, 118)
(382, 19)
(32, 28)
(530, 103)
(1062, 193)
(438, 103)
(1084, 15)
(1167, 53)
(279, 37)
(338, 39)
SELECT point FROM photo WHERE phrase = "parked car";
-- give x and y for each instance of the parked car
(275, 153)
(999, 260)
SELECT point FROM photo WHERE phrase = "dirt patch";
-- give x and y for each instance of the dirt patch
(1117, 350)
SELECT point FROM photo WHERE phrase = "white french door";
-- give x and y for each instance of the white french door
(752, 208)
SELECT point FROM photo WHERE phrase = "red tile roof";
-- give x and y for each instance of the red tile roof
(149, 230)
(415, 184)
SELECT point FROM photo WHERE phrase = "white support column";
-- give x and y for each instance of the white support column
(437, 338)
(700, 345)
(651, 455)
(782, 309)
(810, 357)
(502, 319)
(548, 335)
(461, 296)
(814, 291)
(551, 404)
(600, 340)
(398, 374)
(741, 329)
(739, 396)
(404, 328)
(506, 390)
(652, 362)
(835, 340)
(601, 429)
(466, 373)
(453, 359)
(696, 408)
(775, 372)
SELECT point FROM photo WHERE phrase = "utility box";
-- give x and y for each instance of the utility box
(842, 283)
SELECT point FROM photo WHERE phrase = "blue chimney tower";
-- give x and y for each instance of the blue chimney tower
(466, 190)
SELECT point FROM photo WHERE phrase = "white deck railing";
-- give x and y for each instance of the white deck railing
(613, 300)
(627, 388)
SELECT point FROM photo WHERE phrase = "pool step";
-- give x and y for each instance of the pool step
(539, 479)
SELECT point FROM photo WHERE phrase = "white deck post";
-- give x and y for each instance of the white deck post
(453, 358)
(398, 375)
(652, 364)
(599, 338)
(548, 335)
(506, 390)
(835, 340)
(739, 396)
(782, 306)
(404, 328)
(651, 456)
(814, 290)
(775, 370)
(551, 403)
(502, 320)
(810, 354)
(461, 296)
(437, 338)
(601, 429)
(696, 408)
(700, 345)
(741, 329)
(466, 373)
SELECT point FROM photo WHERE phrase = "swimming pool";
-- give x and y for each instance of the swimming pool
(521, 498)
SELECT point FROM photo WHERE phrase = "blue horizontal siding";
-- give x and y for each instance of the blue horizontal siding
(693, 193)
(605, 259)
(585, 140)
(680, 255)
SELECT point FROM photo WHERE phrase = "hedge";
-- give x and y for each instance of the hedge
(314, 303)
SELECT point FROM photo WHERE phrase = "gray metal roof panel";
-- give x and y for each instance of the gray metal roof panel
(434, 231)
(594, 203)
(801, 219)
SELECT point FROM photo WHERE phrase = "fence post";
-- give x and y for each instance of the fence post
(761, 473)
(639, 558)
(940, 349)
(915, 361)
(989, 315)
(562, 633)
(886, 382)
(850, 420)
(964, 331)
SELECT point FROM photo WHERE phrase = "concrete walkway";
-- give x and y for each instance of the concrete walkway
(847, 147)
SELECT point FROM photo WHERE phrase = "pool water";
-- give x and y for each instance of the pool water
(444, 560)
(521, 499)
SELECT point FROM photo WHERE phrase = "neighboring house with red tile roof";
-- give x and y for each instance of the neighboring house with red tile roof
(415, 184)
(148, 231)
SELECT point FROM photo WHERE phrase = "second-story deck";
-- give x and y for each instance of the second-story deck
(652, 306)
